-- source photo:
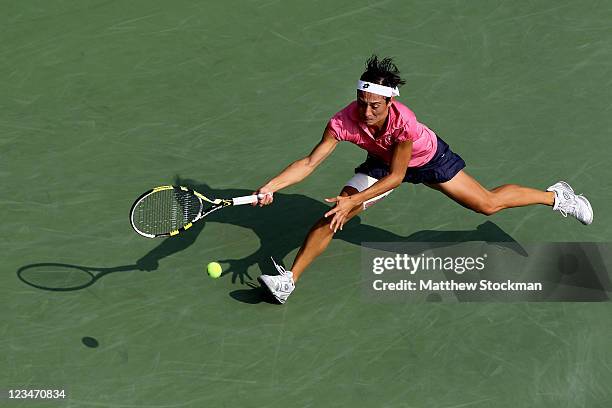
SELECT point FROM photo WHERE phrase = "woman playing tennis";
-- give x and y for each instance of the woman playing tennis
(400, 150)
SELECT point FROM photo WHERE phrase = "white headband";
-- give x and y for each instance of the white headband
(377, 89)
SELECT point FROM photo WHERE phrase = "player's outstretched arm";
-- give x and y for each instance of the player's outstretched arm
(299, 169)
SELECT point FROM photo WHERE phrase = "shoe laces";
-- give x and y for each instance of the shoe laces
(281, 269)
(569, 206)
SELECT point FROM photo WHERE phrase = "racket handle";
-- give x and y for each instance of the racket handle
(247, 199)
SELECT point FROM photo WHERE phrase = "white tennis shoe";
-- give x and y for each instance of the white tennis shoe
(280, 286)
(568, 203)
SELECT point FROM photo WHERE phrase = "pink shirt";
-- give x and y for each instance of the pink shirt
(401, 125)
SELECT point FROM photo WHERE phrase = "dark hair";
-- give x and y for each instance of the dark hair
(382, 72)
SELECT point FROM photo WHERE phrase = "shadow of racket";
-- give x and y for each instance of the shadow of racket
(61, 277)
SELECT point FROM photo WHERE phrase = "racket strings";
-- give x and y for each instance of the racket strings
(187, 205)
(166, 210)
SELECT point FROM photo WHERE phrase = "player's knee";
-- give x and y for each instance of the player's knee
(486, 206)
(487, 210)
(323, 224)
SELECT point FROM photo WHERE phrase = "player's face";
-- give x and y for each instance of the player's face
(373, 109)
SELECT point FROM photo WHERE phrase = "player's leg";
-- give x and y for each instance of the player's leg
(468, 192)
(319, 237)
(282, 285)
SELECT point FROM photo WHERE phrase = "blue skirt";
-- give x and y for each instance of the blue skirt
(441, 168)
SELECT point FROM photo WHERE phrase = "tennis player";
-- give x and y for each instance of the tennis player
(400, 149)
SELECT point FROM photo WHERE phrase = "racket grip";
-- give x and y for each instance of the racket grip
(247, 199)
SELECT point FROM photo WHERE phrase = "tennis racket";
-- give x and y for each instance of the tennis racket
(169, 210)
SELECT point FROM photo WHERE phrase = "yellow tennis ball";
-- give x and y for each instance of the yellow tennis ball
(214, 270)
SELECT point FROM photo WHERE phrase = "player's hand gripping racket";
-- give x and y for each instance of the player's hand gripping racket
(169, 210)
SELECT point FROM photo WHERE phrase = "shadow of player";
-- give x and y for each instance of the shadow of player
(280, 228)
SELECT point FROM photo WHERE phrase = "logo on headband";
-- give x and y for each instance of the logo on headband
(366, 86)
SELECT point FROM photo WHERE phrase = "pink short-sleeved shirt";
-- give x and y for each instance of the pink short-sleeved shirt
(401, 125)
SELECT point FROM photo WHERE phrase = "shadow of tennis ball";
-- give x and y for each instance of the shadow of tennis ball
(90, 342)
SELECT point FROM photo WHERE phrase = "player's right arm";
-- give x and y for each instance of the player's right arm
(299, 169)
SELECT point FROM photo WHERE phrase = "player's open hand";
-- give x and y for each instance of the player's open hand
(239, 267)
(344, 205)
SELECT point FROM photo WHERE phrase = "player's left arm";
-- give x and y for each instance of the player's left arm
(399, 164)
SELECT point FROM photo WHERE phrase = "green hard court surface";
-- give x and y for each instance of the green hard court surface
(101, 100)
